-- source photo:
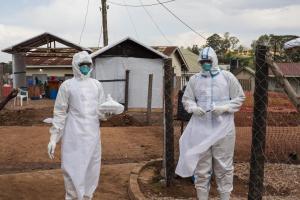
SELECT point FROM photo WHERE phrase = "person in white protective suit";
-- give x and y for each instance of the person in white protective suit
(207, 144)
(76, 121)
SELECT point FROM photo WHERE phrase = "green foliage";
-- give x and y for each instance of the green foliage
(195, 49)
(216, 42)
(224, 46)
(275, 43)
(7, 68)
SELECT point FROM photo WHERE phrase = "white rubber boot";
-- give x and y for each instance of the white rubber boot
(202, 195)
(225, 196)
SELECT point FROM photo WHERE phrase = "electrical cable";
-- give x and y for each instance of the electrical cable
(84, 24)
(184, 23)
(131, 20)
(155, 24)
(138, 6)
(101, 30)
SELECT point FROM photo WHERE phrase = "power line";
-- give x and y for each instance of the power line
(172, 13)
(138, 6)
(86, 13)
(101, 29)
(100, 35)
(131, 20)
(153, 21)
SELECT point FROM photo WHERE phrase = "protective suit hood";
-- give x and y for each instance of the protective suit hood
(209, 53)
(78, 58)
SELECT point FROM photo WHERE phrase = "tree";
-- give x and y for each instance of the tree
(7, 68)
(225, 45)
(233, 41)
(195, 49)
(215, 42)
(241, 48)
(275, 43)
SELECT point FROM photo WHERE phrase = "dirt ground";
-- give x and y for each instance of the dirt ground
(48, 184)
(26, 172)
(280, 183)
(281, 113)
(25, 148)
(36, 111)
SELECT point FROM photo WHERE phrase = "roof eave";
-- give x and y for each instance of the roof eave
(100, 51)
(11, 49)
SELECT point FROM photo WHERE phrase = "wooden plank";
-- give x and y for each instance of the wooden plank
(149, 101)
(126, 89)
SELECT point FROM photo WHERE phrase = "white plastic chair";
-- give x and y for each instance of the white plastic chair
(21, 95)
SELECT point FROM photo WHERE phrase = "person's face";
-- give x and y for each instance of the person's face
(206, 65)
(85, 68)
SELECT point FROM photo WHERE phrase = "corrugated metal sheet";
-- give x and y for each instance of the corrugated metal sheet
(289, 69)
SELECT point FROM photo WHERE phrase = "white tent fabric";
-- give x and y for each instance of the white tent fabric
(292, 43)
(111, 68)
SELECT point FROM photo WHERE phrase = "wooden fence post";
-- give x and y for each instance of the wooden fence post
(257, 162)
(126, 90)
(1, 79)
(149, 101)
(168, 122)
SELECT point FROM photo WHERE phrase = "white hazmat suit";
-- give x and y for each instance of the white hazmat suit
(76, 121)
(207, 144)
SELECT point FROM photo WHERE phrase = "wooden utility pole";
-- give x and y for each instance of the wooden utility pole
(104, 22)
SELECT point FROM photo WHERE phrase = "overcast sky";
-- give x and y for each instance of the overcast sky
(245, 19)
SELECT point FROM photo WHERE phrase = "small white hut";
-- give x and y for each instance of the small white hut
(139, 60)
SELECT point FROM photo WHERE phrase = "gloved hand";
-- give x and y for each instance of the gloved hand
(108, 115)
(105, 116)
(52, 145)
(219, 110)
(198, 111)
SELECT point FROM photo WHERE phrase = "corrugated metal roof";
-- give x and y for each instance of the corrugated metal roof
(167, 50)
(104, 49)
(41, 40)
(52, 58)
(48, 61)
(289, 69)
(191, 60)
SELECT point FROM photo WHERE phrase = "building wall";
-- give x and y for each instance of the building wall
(244, 75)
(274, 86)
(176, 65)
(295, 82)
(112, 68)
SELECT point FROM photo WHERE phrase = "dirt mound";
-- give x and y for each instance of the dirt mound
(24, 117)
(122, 120)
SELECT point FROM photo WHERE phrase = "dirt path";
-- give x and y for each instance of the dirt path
(48, 185)
(25, 148)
